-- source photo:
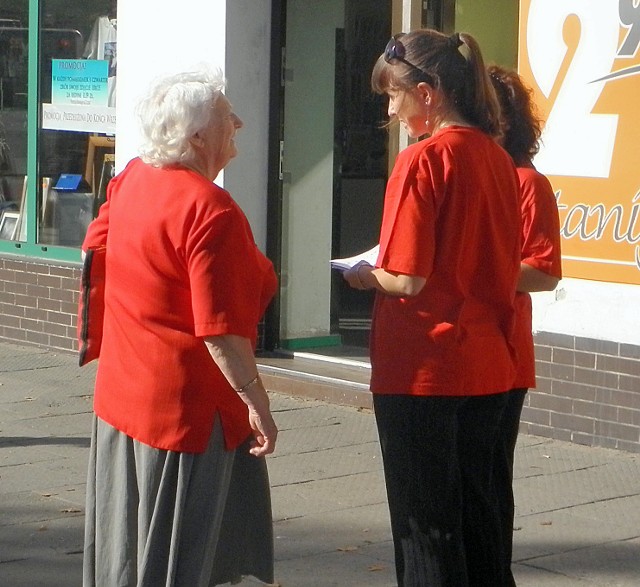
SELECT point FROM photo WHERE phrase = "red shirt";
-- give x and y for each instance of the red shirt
(451, 215)
(540, 250)
(181, 265)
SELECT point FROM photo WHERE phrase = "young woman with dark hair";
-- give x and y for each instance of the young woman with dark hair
(442, 347)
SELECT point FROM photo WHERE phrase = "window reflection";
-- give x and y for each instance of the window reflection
(76, 138)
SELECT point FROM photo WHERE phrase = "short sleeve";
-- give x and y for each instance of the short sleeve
(227, 275)
(407, 237)
(541, 247)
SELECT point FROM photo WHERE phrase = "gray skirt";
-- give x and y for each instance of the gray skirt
(157, 518)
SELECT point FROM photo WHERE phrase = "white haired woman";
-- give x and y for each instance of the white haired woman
(177, 490)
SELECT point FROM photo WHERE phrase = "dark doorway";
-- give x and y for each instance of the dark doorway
(360, 157)
(329, 158)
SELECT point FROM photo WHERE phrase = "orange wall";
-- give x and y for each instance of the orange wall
(583, 63)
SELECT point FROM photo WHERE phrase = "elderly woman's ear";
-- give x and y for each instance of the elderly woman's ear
(197, 140)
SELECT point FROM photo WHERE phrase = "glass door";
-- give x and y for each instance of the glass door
(334, 161)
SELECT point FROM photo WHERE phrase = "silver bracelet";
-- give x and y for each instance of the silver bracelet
(248, 385)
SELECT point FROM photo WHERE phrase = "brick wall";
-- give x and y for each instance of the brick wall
(38, 302)
(588, 392)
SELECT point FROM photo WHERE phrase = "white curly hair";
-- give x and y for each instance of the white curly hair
(175, 108)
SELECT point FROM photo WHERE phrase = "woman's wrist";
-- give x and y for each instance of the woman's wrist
(248, 385)
(254, 395)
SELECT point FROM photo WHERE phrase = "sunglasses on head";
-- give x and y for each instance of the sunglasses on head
(394, 53)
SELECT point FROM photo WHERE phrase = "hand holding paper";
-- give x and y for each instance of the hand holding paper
(370, 257)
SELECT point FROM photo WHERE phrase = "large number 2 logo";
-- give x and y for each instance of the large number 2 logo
(568, 60)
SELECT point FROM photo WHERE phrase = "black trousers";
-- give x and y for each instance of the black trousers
(503, 473)
(438, 462)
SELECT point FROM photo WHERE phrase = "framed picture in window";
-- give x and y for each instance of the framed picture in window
(106, 175)
(9, 225)
(97, 147)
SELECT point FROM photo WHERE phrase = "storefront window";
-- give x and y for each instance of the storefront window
(75, 142)
(13, 116)
(77, 95)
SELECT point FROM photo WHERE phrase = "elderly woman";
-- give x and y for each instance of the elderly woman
(177, 491)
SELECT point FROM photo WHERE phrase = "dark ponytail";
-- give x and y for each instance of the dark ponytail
(480, 105)
(521, 122)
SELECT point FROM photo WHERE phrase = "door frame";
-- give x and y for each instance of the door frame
(274, 158)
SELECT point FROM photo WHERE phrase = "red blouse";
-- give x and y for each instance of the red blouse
(181, 265)
(451, 215)
(540, 250)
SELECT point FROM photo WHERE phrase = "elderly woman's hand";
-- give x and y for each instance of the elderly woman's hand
(265, 431)
(234, 356)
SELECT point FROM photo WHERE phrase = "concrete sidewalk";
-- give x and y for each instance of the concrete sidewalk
(578, 518)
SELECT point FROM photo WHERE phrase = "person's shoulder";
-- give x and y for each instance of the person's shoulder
(408, 157)
(479, 140)
(531, 173)
(535, 187)
(191, 189)
(466, 145)
(530, 177)
(221, 196)
(216, 201)
(462, 133)
(198, 188)
(461, 139)
(137, 169)
(425, 148)
(129, 170)
(429, 152)
(132, 164)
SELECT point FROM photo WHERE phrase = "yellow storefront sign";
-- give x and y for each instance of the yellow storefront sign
(582, 59)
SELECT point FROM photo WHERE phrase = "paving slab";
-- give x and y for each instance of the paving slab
(610, 564)
(344, 531)
(577, 515)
